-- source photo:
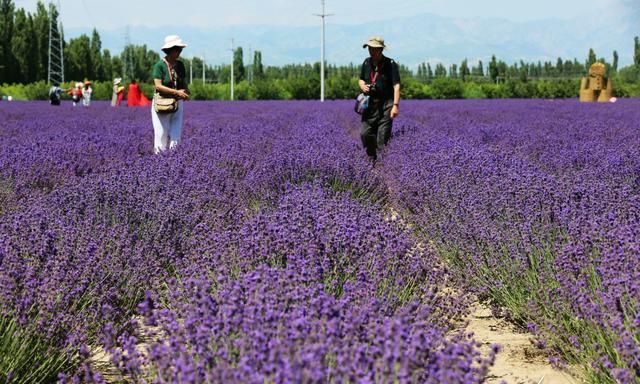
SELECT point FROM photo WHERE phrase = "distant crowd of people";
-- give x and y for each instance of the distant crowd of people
(378, 104)
(81, 92)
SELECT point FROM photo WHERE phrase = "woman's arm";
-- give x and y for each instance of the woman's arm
(179, 93)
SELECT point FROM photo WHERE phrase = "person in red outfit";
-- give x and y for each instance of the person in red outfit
(136, 98)
(120, 95)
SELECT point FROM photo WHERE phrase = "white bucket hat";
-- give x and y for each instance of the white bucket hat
(173, 41)
(374, 42)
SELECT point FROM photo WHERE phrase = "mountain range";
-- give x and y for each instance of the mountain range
(411, 40)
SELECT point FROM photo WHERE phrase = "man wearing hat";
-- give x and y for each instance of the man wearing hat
(380, 79)
(169, 77)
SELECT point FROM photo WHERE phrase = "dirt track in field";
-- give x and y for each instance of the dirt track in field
(519, 361)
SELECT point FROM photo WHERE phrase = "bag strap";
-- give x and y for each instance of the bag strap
(175, 85)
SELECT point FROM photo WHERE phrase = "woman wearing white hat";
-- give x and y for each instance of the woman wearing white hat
(169, 77)
(380, 79)
(114, 93)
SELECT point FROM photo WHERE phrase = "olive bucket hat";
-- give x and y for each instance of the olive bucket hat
(374, 42)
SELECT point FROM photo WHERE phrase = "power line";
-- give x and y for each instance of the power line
(86, 10)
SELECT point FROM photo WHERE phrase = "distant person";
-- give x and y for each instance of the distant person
(75, 93)
(86, 93)
(135, 97)
(169, 80)
(55, 94)
(380, 79)
(114, 93)
(120, 95)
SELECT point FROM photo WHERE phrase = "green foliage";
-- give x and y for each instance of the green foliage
(412, 89)
(521, 90)
(473, 91)
(636, 51)
(238, 65)
(630, 74)
(267, 90)
(101, 90)
(495, 91)
(627, 89)
(557, 89)
(241, 91)
(346, 88)
(23, 50)
(447, 88)
(337, 88)
(303, 89)
(27, 357)
(201, 91)
(258, 68)
(33, 91)
(137, 61)
(77, 58)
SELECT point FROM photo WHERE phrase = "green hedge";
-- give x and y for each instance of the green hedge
(40, 90)
(347, 88)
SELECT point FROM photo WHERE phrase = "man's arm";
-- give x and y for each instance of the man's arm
(396, 101)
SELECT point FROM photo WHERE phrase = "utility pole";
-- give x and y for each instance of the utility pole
(204, 80)
(190, 71)
(55, 72)
(322, 15)
(233, 54)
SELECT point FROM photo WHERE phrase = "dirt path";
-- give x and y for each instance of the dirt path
(518, 362)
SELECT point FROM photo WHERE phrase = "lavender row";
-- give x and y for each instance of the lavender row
(537, 203)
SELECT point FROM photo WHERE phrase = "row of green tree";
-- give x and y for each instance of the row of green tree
(24, 55)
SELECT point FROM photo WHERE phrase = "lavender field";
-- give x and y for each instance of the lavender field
(266, 249)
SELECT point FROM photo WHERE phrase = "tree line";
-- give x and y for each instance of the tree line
(24, 55)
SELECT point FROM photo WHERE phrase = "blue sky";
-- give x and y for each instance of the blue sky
(208, 27)
(114, 14)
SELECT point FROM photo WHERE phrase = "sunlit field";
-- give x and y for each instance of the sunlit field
(267, 249)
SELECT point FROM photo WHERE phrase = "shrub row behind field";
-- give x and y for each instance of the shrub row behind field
(340, 88)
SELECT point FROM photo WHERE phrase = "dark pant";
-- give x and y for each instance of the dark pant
(376, 126)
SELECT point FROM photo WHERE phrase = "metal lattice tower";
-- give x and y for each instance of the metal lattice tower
(55, 72)
(129, 70)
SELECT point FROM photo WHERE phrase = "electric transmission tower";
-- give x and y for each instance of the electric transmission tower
(129, 70)
(55, 71)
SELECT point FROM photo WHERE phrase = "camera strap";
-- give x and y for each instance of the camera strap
(373, 76)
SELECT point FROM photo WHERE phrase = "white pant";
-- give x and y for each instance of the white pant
(167, 128)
